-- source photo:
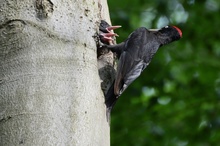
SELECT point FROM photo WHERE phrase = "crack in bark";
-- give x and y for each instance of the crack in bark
(14, 25)
(9, 23)
(4, 119)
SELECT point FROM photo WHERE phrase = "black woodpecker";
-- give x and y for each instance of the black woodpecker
(135, 54)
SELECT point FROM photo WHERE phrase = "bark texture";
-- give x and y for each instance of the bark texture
(50, 90)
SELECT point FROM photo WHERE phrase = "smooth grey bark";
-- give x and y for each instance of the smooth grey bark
(50, 90)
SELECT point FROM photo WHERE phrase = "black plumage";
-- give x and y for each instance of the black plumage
(135, 54)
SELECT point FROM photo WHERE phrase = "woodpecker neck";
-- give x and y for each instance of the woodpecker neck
(163, 39)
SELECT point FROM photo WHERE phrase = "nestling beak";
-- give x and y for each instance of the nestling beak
(112, 27)
(108, 37)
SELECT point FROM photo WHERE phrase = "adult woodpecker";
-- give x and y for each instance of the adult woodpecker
(135, 54)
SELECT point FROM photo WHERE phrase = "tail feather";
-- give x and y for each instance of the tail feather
(110, 98)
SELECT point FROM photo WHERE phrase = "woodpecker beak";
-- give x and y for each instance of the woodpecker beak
(153, 30)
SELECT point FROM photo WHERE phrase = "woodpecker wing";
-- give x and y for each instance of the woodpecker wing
(127, 72)
(139, 50)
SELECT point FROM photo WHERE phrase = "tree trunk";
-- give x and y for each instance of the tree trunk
(50, 90)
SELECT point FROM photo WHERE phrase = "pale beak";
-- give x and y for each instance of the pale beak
(154, 30)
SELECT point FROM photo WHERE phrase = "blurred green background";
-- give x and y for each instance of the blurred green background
(176, 100)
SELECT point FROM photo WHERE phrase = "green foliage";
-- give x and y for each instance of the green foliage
(176, 100)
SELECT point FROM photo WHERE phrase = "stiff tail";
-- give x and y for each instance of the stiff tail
(110, 100)
(110, 97)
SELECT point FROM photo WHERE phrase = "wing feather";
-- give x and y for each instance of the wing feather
(139, 50)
